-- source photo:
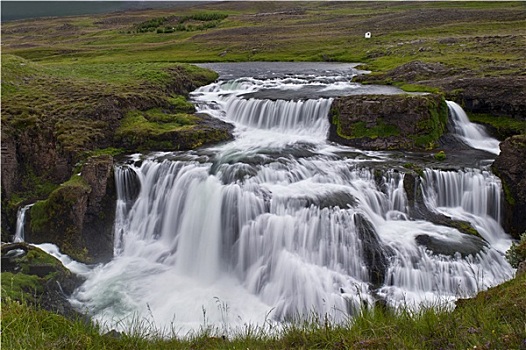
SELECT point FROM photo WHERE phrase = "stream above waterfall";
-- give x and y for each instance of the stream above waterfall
(280, 225)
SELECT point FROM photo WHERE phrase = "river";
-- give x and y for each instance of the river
(281, 225)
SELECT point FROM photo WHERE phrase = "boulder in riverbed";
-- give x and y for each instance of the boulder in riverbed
(388, 122)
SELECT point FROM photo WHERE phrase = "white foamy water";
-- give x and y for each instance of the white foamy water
(277, 225)
(472, 134)
(20, 223)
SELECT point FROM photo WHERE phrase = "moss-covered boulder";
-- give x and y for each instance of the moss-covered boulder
(387, 122)
(78, 216)
(33, 276)
(510, 166)
(168, 130)
(59, 218)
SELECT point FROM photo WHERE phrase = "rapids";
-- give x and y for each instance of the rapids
(280, 225)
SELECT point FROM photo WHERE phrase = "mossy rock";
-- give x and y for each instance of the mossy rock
(388, 122)
(161, 130)
(59, 218)
(29, 274)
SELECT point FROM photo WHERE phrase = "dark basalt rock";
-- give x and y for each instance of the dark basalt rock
(375, 255)
(468, 245)
(97, 227)
(388, 122)
(495, 95)
(510, 166)
(418, 210)
(78, 216)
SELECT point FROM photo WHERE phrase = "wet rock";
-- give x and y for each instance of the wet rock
(503, 95)
(468, 245)
(387, 122)
(374, 255)
(343, 200)
(41, 270)
(97, 227)
(38, 278)
(510, 166)
(418, 210)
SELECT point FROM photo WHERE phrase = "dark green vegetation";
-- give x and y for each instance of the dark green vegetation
(517, 252)
(33, 277)
(440, 156)
(189, 23)
(54, 219)
(492, 320)
(502, 126)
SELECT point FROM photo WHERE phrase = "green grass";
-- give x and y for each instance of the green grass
(492, 320)
(504, 126)
(153, 122)
(78, 107)
(313, 32)
(417, 88)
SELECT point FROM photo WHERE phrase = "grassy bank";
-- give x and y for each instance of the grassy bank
(492, 320)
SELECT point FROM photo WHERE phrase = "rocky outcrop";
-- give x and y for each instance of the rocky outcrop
(10, 181)
(510, 166)
(386, 122)
(494, 95)
(31, 275)
(10, 176)
(78, 216)
(375, 256)
(97, 229)
(205, 131)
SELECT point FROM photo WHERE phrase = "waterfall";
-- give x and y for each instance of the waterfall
(278, 225)
(21, 222)
(471, 195)
(472, 134)
(300, 117)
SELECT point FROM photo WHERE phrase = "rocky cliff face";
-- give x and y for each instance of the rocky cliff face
(78, 216)
(99, 216)
(494, 95)
(510, 166)
(386, 122)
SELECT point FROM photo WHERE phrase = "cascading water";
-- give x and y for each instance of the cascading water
(280, 225)
(470, 133)
(471, 195)
(21, 222)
